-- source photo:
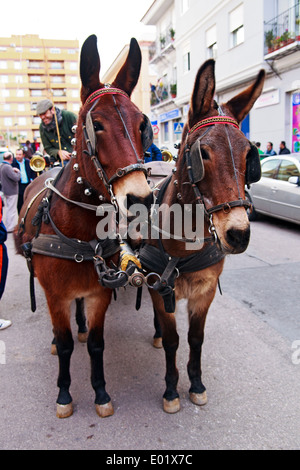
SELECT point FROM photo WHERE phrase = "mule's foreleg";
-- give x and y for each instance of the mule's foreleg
(170, 342)
(64, 346)
(81, 321)
(60, 316)
(195, 338)
(157, 338)
(96, 308)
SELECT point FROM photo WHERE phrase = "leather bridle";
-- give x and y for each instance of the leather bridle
(225, 206)
(90, 139)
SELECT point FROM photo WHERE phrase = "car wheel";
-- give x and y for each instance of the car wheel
(252, 214)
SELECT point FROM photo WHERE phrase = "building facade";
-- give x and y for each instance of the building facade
(32, 69)
(243, 36)
(140, 95)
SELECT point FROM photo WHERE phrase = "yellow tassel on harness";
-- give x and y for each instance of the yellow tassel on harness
(127, 255)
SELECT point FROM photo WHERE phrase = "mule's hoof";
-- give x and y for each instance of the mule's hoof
(171, 406)
(82, 337)
(198, 398)
(53, 350)
(64, 411)
(105, 410)
(157, 343)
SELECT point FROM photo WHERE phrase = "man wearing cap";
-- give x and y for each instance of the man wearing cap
(56, 144)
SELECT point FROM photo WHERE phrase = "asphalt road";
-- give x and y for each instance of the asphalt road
(251, 364)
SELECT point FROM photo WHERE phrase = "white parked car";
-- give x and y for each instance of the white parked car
(277, 194)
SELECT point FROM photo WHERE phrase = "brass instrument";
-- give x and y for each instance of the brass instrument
(167, 156)
(37, 163)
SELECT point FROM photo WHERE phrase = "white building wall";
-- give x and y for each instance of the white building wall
(236, 67)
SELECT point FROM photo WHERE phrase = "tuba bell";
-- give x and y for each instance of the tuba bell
(37, 163)
(167, 155)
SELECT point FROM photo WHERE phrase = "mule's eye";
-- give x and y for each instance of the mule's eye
(98, 126)
(204, 154)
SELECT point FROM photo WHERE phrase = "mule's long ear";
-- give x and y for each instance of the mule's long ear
(203, 93)
(241, 104)
(89, 67)
(128, 76)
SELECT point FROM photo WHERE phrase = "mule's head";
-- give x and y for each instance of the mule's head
(222, 158)
(112, 133)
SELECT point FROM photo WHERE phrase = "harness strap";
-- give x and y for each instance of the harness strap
(49, 185)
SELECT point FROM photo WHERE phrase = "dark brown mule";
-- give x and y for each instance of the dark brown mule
(214, 163)
(106, 168)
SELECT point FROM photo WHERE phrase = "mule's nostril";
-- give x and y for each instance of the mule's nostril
(143, 201)
(238, 239)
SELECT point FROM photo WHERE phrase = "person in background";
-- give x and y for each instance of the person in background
(270, 150)
(28, 150)
(27, 175)
(35, 146)
(9, 178)
(3, 264)
(153, 154)
(282, 148)
(58, 152)
(258, 144)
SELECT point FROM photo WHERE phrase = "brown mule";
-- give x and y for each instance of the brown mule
(107, 167)
(215, 162)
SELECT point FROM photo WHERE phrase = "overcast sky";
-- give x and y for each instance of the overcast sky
(113, 21)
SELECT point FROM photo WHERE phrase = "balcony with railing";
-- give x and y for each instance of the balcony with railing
(282, 34)
(162, 92)
(163, 45)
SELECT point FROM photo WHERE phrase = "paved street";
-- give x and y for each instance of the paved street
(250, 368)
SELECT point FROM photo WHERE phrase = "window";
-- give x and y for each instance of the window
(3, 64)
(8, 121)
(57, 78)
(22, 121)
(73, 66)
(21, 107)
(286, 170)
(211, 42)
(34, 64)
(5, 93)
(186, 62)
(185, 4)
(75, 93)
(166, 131)
(35, 78)
(20, 93)
(4, 78)
(6, 107)
(35, 92)
(19, 78)
(236, 26)
(59, 92)
(34, 49)
(18, 65)
(36, 120)
(54, 50)
(269, 169)
(74, 80)
(56, 65)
